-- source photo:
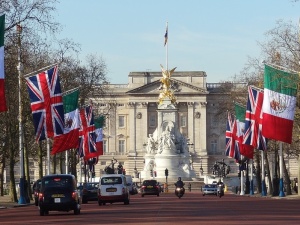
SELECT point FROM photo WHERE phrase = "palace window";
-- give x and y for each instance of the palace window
(105, 147)
(122, 147)
(183, 121)
(152, 121)
(121, 121)
(213, 146)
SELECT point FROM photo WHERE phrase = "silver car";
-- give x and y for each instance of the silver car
(209, 189)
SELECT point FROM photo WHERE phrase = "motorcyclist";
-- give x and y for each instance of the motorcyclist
(220, 185)
(179, 183)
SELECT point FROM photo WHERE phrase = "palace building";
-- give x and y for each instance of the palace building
(131, 116)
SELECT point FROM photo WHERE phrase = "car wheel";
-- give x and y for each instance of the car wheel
(76, 211)
(42, 212)
(99, 203)
(203, 194)
(157, 194)
(126, 202)
(142, 195)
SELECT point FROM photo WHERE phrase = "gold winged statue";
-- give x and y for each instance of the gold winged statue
(166, 85)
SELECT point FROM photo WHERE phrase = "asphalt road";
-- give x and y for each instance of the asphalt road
(193, 208)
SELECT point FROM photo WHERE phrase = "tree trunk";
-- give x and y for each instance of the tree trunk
(270, 189)
(258, 171)
(2, 167)
(40, 160)
(12, 183)
(287, 179)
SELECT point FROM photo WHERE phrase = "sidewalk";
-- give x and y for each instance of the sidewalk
(5, 202)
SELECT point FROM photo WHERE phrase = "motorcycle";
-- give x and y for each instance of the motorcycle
(220, 190)
(179, 191)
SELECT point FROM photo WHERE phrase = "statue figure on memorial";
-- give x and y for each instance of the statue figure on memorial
(151, 144)
(167, 139)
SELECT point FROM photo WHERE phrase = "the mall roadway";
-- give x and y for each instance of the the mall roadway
(193, 208)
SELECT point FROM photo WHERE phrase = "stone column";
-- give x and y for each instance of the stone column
(132, 128)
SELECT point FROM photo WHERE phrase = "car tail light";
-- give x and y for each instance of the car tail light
(123, 190)
(41, 196)
(74, 195)
(143, 187)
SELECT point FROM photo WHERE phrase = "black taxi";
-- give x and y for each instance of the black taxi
(59, 192)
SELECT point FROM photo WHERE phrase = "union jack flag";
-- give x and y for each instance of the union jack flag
(46, 104)
(253, 121)
(232, 140)
(87, 136)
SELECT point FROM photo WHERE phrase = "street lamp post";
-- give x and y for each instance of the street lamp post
(22, 199)
(201, 169)
(135, 170)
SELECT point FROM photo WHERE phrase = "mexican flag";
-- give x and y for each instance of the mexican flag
(2, 89)
(280, 90)
(69, 139)
(245, 150)
(99, 133)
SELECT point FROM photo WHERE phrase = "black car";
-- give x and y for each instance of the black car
(89, 191)
(150, 187)
(36, 190)
(59, 193)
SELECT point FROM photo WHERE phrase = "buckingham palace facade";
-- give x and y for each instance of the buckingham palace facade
(131, 115)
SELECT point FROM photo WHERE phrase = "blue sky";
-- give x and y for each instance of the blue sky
(215, 36)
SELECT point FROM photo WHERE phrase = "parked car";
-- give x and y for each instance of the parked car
(150, 187)
(209, 189)
(36, 190)
(89, 191)
(113, 188)
(59, 193)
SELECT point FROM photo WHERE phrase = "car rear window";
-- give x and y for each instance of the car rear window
(57, 182)
(210, 186)
(92, 186)
(111, 180)
(149, 182)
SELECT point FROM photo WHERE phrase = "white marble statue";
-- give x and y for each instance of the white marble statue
(167, 138)
(151, 145)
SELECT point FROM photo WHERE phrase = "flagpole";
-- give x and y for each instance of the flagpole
(167, 43)
(40, 70)
(70, 91)
(284, 69)
(251, 178)
(263, 182)
(22, 199)
(66, 162)
(281, 192)
(242, 178)
(48, 156)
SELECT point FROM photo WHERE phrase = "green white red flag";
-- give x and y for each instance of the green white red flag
(245, 150)
(69, 139)
(3, 106)
(99, 133)
(280, 90)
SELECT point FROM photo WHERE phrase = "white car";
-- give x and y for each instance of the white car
(113, 188)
